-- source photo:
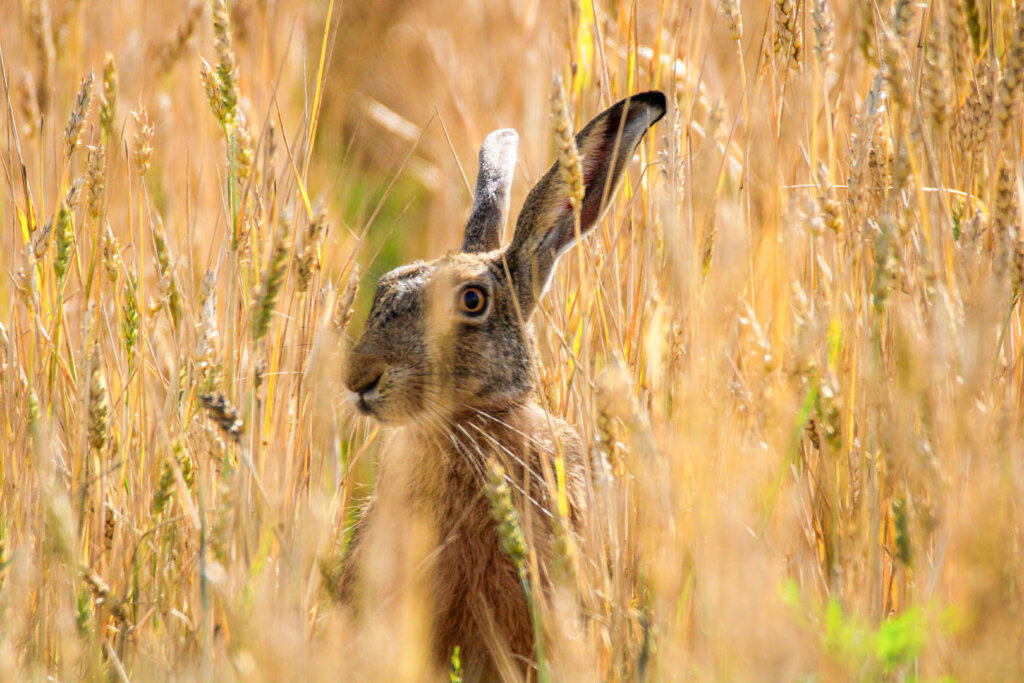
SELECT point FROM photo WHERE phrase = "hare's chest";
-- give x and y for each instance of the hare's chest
(470, 557)
(466, 533)
(477, 588)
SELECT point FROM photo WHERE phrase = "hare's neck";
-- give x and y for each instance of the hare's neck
(481, 432)
(462, 445)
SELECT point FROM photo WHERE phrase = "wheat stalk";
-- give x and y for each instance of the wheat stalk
(73, 130)
(271, 283)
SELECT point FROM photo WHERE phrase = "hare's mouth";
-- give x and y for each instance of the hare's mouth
(364, 396)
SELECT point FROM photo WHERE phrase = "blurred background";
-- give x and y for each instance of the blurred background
(792, 346)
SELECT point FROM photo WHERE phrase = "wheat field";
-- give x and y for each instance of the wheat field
(793, 345)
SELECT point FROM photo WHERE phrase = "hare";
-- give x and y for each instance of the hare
(446, 356)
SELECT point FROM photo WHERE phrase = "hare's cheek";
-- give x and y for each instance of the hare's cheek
(400, 395)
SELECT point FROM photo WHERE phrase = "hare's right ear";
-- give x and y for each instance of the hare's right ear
(546, 225)
(493, 183)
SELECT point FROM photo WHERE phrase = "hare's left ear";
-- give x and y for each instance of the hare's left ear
(493, 183)
(546, 225)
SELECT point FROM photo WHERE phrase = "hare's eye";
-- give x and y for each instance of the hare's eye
(472, 301)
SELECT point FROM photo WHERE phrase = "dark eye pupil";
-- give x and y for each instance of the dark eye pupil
(472, 301)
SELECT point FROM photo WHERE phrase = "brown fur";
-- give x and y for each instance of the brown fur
(462, 387)
(477, 599)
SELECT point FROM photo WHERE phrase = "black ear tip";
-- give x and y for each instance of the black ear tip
(654, 101)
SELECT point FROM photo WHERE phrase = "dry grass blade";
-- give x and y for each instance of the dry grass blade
(791, 347)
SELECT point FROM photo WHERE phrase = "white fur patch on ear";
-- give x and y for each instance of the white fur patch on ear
(498, 156)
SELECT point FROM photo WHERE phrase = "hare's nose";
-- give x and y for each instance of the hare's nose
(368, 387)
(364, 371)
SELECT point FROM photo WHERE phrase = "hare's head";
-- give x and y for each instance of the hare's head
(451, 335)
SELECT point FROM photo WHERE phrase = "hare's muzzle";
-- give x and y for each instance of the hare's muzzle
(362, 378)
(364, 393)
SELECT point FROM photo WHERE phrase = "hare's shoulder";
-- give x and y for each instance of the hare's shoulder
(551, 436)
(543, 433)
